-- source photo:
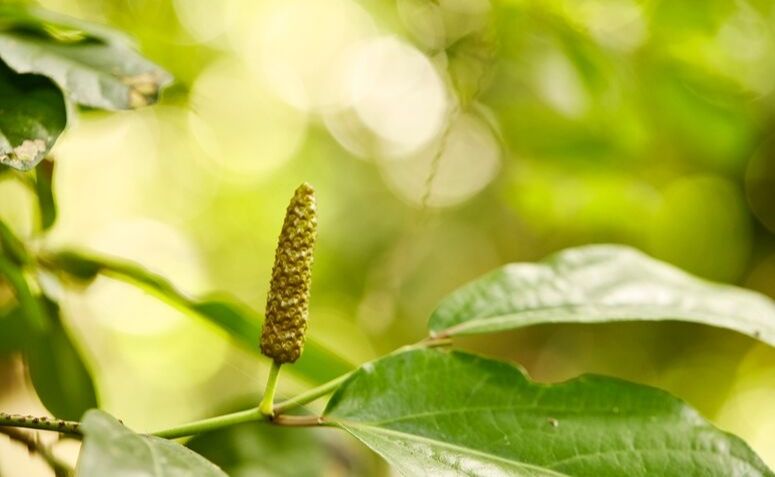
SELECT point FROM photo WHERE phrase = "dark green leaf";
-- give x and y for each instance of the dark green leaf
(15, 331)
(595, 284)
(75, 264)
(318, 363)
(260, 450)
(32, 116)
(110, 449)
(34, 313)
(44, 181)
(97, 69)
(433, 412)
(11, 246)
(54, 25)
(60, 377)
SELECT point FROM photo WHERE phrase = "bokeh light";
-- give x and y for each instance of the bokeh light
(444, 138)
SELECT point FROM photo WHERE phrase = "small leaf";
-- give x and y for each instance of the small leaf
(261, 450)
(44, 182)
(110, 449)
(318, 363)
(597, 284)
(33, 115)
(11, 246)
(61, 379)
(98, 69)
(433, 412)
(34, 313)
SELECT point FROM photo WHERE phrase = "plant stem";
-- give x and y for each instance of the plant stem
(298, 421)
(267, 404)
(27, 301)
(40, 423)
(60, 468)
(212, 424)
(34, 445)
(311, 395)
(275, 414)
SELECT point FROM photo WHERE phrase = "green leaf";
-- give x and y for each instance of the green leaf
(434, 412)
(33, 311)
(54, 25)
(15, 331)
(109, 448)
(61, 379)
(318, 363)
(44, 181)
(11, 246)
(97, 68)
(260, 450)
(33, 116)
(596, 284)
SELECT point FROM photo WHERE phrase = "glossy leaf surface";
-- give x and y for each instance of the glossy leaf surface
(597, 284)
(434, 412)
(109, 448)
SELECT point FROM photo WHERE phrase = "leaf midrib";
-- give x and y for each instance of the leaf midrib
(71, 59)
(454, 447)
(551, 468)
(618, 312)
(554, 412)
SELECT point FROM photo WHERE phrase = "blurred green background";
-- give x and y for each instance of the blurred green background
(444, 138)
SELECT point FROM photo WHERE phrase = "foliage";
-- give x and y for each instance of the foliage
(595, 284)
(112, 449)
(491, 420)
(425, 408)
(44, 54)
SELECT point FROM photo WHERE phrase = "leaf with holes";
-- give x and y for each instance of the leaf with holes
(434, 412)
(32, 116)
(94, 66)
(47, 58)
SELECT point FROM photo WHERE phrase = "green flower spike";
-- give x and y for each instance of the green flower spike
(287, 304)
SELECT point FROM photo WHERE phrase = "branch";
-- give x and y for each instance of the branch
(225, 420)
(212, 424)
(34, 445)
(40, 423)
(311, 395)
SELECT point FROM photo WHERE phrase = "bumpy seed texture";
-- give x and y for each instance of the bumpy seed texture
(287, 304)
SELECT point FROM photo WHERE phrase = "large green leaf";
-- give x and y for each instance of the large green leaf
(318, 363)
(32, 116)
(599, 283)
(60, 377)
(93, 66)
(110, 449)
(435, 412)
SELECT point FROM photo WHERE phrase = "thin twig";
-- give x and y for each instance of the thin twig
(34, 446)
(40, 423)
(298, 421)
(311, 395)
